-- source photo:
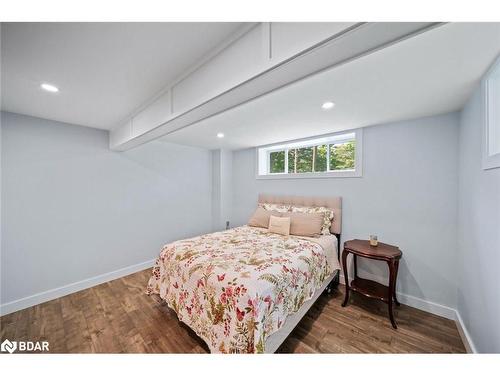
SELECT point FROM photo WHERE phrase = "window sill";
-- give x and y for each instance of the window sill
(339, 174)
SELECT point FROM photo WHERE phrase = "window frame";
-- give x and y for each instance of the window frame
(490, 160)
(266, 150)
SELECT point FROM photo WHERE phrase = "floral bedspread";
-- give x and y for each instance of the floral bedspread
(235, 288)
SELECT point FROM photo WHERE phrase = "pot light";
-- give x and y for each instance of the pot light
(48, 87)
(220, 135)
(327, 105)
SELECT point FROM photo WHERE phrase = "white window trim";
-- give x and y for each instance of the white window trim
(356, 172)
(489, 161)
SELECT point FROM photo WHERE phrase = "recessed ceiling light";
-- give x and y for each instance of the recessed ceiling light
(220, 135)
(328, 105)
(48, 87)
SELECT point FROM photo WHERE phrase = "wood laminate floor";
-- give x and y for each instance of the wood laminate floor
(117, 317)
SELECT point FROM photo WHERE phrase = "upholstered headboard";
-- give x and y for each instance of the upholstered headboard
(334, 203)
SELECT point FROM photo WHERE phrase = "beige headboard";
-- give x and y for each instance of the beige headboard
(334, 203)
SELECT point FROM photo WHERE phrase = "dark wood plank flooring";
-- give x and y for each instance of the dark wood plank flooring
(117, 317)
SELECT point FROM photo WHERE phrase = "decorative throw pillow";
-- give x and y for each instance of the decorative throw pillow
(327, 215)
(305, 224)
(275, 207)
(279, 225)
(260, 218)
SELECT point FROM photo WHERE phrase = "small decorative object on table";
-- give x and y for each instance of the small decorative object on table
(370, 288)
(373, 240)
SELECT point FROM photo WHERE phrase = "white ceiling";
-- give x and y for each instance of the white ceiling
(429, 74)
(104, 71)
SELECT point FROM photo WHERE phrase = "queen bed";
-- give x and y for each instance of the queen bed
(243, 290)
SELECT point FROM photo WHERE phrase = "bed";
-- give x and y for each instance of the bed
(243, 290)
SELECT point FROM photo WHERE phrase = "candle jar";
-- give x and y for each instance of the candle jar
(373, 240)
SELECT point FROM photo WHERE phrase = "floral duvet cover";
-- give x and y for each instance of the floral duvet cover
(235, 288)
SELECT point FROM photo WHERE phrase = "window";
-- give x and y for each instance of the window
(491, 100)
(335, 155)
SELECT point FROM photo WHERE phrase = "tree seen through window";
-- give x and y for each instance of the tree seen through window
(277, 162)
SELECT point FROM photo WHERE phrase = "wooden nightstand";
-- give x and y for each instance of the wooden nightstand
(369, 288)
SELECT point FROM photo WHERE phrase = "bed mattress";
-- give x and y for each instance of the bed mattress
(237, 287)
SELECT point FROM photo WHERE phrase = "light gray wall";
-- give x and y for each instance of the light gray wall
(72, 209)
(479, 235)
(407, 196)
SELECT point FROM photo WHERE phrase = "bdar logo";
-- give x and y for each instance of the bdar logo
(8, 346)
(24, 346)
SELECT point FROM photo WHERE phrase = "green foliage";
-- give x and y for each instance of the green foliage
(314, 159)
(307, 159)
(320, 164)
(342, 155)
(270, 278)
(277, 162)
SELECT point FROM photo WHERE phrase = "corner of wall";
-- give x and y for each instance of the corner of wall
(222, 161)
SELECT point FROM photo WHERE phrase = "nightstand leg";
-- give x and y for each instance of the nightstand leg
(391, 292)
(395, 280)
(346, 277)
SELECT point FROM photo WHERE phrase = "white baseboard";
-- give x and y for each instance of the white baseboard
(48, 295)
(433, 308)
(464, 334)
(418, 303)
